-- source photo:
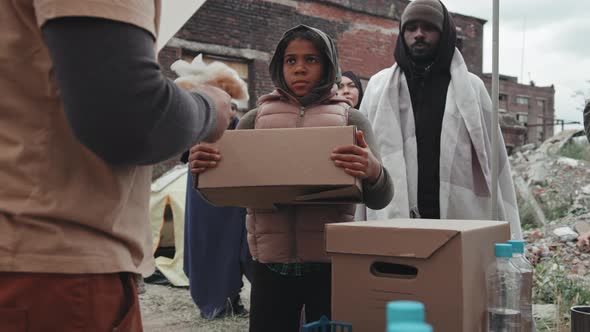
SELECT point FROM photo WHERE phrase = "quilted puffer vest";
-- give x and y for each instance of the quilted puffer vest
(292, 234)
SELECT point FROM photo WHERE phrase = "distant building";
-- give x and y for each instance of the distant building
(243, 34)
(532, 107)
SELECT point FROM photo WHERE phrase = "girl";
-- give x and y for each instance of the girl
(291, 273)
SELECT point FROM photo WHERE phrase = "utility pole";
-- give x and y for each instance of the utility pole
(522, 52)
(495, 93)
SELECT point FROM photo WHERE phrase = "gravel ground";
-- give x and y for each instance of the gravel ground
(171, 309)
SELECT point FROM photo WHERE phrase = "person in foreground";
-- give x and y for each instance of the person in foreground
(84, 110)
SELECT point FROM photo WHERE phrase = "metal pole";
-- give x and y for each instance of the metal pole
(495, 123)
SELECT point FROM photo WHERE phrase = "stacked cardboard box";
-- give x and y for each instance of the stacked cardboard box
(440, 263)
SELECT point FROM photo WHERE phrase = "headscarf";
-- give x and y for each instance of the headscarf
(357, 83)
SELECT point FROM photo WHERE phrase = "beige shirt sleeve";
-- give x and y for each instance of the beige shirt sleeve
(141, 13)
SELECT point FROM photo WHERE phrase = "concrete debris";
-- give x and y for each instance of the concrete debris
(545, 311)
(554, 202)
(568, 162)
(565, 234)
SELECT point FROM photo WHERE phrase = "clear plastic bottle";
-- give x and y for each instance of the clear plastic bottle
(503, 291)
(406, 316)
(526, 287)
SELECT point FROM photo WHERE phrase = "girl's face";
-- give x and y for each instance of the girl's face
(302, 66)
(348, 90)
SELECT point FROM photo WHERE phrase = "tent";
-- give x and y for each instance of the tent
(167, 204)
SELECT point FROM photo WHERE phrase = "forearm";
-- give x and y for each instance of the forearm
(115, 97)
(378, 195)
(375, 195)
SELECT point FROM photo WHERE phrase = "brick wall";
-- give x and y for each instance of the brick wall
(470, 31)
(389, 8)
(166, 57)
(513, 137)
(365, 32)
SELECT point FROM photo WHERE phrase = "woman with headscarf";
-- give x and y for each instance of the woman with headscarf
(351, 88)
(216, 255)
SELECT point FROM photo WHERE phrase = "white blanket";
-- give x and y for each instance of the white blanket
(465, 151)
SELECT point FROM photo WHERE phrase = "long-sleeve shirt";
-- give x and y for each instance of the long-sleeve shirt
(116, 99)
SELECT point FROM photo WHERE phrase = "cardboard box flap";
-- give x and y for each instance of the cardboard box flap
(415, 238)
(271, 197)
(339, 194)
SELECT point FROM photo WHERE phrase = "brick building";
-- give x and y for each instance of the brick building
(530, 105)
(243, 33)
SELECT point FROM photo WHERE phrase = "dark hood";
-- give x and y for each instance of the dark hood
(444, 52)
(332, 70)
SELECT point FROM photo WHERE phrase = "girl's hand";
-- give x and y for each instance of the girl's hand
(202, 157)
(358, 160)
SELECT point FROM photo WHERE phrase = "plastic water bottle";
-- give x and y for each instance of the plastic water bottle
(406, 316)
(503, 291)
(526, 287)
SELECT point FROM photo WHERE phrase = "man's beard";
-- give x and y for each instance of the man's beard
(423, 55)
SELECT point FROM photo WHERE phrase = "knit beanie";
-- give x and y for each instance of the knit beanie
(430, 11)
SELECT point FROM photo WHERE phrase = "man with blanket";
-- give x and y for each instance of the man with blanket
(432, 121)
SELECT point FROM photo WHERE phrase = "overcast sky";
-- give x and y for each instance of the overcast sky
(556, 45)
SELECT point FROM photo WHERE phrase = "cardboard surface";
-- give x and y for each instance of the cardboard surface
(264, 168)
(440, 263)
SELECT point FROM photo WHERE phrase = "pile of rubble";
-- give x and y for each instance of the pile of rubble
(555, 192)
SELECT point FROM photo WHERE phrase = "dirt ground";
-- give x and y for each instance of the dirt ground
(171, 309)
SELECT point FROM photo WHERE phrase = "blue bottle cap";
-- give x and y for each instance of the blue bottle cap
(409, 327)
(405, 311)
(517, 246)
(503, 250)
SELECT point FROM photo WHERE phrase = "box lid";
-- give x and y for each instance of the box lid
(415, 238)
